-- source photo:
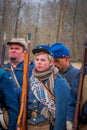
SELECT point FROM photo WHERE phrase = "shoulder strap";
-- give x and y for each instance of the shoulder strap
(49, 93)
(15, 78)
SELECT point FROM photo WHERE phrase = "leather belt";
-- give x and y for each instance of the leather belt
(38, 124)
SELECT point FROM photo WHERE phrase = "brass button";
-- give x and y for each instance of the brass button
(34, 114)
(34, 119)
(36, 110)
(34, 101)
(10, 77)
(35, 106)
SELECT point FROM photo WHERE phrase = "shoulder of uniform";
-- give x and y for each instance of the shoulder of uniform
(74, 71)
(59, 77)
(2, 72)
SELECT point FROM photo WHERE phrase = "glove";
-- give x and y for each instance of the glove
(69, 125)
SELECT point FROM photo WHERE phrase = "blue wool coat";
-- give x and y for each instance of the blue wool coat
(72, 76)
(8, 100)
(64, 109)
(19, 75)
(18, 72)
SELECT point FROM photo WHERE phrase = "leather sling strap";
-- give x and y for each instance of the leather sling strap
(49, 93)
(15, 78)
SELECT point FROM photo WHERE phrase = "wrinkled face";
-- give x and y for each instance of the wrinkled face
(62, 63)
(16, 52)
(42, 62)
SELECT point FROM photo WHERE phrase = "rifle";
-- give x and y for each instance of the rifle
(3, 52)
(80, 87)
(22, 118)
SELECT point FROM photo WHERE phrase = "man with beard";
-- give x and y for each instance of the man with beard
(14, 67)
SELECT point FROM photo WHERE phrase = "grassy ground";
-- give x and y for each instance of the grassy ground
(76, 64)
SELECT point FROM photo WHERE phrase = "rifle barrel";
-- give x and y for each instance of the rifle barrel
(3, 51)
(22, 119)
(80, 88)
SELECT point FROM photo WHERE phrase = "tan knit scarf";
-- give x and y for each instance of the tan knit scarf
(48, 75)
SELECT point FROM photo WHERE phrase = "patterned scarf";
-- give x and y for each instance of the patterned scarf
(39, 92)
(49, 75)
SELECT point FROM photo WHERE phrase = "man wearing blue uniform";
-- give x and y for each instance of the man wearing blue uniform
(61, 58)
(9, 101)
(49, 95)
(71, 74)
(14, 67)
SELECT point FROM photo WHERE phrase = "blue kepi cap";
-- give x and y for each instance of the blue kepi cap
(59, 50)
(42, 48)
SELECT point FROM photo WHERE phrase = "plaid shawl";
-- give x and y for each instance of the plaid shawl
(42, 95)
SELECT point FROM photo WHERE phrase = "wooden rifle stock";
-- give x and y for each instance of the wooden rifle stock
(3, 52)
(22, 118)
(80, 88)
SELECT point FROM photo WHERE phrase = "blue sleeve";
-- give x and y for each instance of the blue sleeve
(18, 91)
(62, 94)
(73, 94)
(74, 86)
(10, 100)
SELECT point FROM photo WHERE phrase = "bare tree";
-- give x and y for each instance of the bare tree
(63, 5)
(17, 17)
(48, 21)
(73, 30)
(36, 25)
(3, 20)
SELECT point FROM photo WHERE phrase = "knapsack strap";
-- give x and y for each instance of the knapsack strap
(49, 93)
(15, 78)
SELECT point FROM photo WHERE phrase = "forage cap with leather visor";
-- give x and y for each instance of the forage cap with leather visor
(59, 50)
(42, 48)
(19, 41)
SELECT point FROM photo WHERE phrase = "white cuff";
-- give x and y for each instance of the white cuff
(69, 125)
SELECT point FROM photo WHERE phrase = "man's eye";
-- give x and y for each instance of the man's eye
(55, 60)
(37, 59)
(43, 60)
(11, 48)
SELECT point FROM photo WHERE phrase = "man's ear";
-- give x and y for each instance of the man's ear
(67, 57)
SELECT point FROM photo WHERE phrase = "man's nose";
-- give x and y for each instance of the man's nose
(13, 50)
(39, 62)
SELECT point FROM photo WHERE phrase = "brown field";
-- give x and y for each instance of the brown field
(76, 64)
